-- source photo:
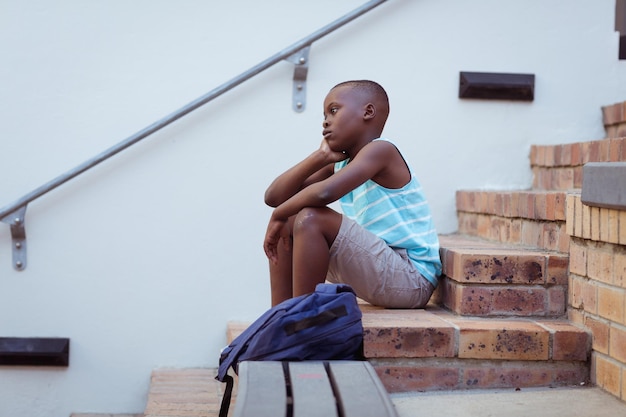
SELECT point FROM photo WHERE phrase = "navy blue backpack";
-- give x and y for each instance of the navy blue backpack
(323, 325)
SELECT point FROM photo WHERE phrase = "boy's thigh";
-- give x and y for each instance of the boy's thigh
(378, 273)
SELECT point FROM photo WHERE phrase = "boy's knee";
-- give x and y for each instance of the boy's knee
(306, 218)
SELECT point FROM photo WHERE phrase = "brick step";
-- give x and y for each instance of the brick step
(483, 278)
(614, 120)
(523, 217)
(434, 349)
(560, 167)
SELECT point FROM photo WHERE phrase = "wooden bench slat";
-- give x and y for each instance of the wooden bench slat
(261, 391)
(360, 391)
(317, 389)
(312, 393)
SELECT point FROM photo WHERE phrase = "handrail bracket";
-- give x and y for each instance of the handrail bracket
(301, 61)
(16, 221)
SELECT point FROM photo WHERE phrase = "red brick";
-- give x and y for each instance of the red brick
(578, 258)
(611, 303)
(612, 234)
(417, 378)
(594, 220)
(510, 204)
(557, 300)
(615, 150)
(576, 292)
(519, 340)
(619, 268)
(599, 263)
(617, 344)
(586, 220)
(551, 232)
(576, 153)
(520, 301)
(503, 377)
(541, 209)
(600, 331)
(622, 228)
(577, 177)
(564, 178)
(604, 150)
(566, 154)
(607, 374)
(474, 301)
(612, 114)
(533, 155)
(501, 266)
(401, 333)
(532, 234)
(549, 155)
(578, 219)
(584, 151)
(589, 296)
(558, 269)
(540, 154)
(569, 343)
(604, 225)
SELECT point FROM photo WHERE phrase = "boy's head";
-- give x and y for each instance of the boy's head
(368, 101)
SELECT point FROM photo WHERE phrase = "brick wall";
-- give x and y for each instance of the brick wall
(614, 119)
(597, 282)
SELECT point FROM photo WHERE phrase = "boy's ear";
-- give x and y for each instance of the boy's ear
(370, 111)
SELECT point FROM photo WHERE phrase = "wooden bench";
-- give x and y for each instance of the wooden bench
(311, 389)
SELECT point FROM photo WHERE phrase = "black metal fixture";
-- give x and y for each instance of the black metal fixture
(34, 351)
(497, 86)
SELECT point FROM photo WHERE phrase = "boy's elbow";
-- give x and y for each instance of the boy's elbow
(270, 200)
(325, 197)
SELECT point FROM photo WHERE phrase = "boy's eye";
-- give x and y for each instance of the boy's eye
(333, 110)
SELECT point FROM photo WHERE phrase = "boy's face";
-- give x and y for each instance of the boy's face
(344, 112)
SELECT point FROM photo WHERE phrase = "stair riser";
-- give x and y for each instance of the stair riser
(451, 374)
(511, 301)
(513, 340)
(505, 266)
(548, 235)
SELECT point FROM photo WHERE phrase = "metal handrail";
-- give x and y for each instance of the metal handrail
(13, 214)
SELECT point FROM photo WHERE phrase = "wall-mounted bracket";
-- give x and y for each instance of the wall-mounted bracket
(497, 86)
(35, 351)
(301, 61)
(18, 237)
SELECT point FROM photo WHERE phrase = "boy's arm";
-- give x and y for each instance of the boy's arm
(318, 166)
(370, 162)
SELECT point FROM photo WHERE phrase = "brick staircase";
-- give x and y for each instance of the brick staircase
(499, 318)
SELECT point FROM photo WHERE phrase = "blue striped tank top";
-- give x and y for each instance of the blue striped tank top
(401, 217)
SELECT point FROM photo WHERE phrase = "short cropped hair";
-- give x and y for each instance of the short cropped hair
(371, 89)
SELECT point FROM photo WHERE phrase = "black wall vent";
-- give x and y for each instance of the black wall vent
(497, 86)
(34, 351)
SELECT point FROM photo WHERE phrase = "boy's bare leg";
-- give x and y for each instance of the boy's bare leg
(281, 277)
(314, 232)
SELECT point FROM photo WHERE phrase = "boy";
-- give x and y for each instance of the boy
(384, 245)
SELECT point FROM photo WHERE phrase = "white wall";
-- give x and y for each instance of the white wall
(143, 260)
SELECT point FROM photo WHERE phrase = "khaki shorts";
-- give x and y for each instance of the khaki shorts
(379, 274)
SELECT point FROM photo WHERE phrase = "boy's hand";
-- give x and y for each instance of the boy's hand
(332, 156)
(272, 238)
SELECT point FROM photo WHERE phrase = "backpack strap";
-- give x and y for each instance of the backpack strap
(326, 288)
(228, 392)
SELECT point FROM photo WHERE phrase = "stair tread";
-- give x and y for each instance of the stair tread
(474, 260)
(188, 392)
(435, 332)
(535, 204)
